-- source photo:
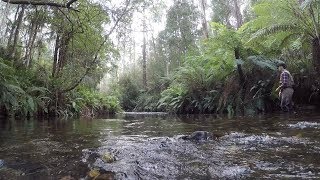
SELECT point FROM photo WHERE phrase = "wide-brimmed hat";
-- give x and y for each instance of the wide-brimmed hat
(282, 64)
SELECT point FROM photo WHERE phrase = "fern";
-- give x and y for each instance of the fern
(273, 29)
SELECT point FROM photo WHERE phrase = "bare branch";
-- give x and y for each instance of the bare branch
(125, 11)
(42, 3)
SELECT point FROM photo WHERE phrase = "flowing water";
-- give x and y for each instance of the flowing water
(147, 146)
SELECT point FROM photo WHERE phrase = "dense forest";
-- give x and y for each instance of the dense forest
(91, 57)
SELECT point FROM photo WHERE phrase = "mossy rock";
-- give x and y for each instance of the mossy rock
(108, 157)
(93, 173)
(108, 176)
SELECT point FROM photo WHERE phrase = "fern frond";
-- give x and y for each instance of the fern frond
(273, 30)
(285, 41)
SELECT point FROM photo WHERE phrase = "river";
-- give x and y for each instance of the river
(147, 146)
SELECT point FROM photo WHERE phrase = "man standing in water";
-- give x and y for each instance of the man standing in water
(285, 88)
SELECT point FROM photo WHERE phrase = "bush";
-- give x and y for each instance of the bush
(89, 102)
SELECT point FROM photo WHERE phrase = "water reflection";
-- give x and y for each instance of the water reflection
(148, 147)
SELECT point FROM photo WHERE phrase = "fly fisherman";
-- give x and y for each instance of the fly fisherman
(285, 88)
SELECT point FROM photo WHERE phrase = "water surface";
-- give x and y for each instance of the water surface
(148, 147)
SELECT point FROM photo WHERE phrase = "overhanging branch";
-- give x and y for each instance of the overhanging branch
(42, 3)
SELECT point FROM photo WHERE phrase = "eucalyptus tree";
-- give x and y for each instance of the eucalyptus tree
(205, 29)
(180, 33)
(226, 12)
(232, 13)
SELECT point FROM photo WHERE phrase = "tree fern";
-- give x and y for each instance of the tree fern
(274, 29)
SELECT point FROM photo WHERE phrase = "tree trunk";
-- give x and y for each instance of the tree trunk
(239, 67)
(316, 53)
(60, 53)
(55, 56)
(204, 19)
(242, 81)
(238, 14)
(32, 37)
(63, 50)
(13, 52)
(13, 27)
(144, 56)
(32, 45)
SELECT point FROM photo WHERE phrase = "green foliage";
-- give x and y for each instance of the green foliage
(173, 99)
(129, 90)
(179, 36)
(96, 102)
(204, 77)
(279, 24)
(195, 86)
(18, 95)
(147, 102)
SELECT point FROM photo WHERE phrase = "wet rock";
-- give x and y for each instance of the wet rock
(93, 157)
(108, 157)
(93, 173)
(201, 136)
(100, 174)
(106, 176)
(1, 163)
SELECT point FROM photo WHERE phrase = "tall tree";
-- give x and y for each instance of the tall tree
(13, 49)
(205, 30)
(180, 33)
(228, 12)
(222, 11)
(144, 53)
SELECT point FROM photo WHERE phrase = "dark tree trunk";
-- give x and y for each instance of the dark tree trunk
(13, 26)
(32, 37)
(13, 52)
(55, 56)
(239, 67)
(242, 81)
(316, 53)
(60, 53)
(32, 45)
(63, 50)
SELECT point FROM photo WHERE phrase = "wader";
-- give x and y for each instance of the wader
(286, 99)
